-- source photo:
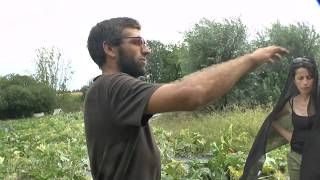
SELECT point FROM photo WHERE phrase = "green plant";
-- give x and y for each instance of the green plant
(70, 102)
(189, 143)
(21, 96)
(51, 147)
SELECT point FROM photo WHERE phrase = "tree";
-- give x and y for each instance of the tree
(52, 69)
(16, 79)
(163, 63)
(211, 42)
(300, 39)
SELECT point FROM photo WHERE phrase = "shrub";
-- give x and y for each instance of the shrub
(21, 96)
(19, 101)
(70, 102)
(45, 99)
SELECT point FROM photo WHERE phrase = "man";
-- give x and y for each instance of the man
(118, 105)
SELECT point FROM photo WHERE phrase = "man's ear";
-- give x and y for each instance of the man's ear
(109, 50)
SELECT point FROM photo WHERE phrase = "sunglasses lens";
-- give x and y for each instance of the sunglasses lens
(139, 41)
(300, 60)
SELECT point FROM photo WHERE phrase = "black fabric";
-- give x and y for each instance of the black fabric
(301, 129)
(310, 165)
(268, 138)
(119, 141)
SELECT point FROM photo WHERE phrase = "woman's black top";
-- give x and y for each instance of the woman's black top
(301, 129)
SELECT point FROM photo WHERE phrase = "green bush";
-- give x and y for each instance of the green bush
(3, 102)
(45, 99)
(70, 102)
(19, 101)
(21, 96)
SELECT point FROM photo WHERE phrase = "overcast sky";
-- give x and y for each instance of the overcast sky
(27, 25)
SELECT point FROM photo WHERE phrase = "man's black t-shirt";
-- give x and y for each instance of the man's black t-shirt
(119, 141)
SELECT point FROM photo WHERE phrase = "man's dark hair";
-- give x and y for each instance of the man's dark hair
(110, 32)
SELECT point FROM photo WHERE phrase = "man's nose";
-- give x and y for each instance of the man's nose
(146, 50)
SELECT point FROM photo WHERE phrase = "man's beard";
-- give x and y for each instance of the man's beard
(129, 65)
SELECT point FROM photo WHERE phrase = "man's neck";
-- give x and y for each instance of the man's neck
(108, 69)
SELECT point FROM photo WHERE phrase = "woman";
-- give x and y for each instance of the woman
(291, 120)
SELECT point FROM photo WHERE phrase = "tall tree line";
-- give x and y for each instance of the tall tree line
(211, 42)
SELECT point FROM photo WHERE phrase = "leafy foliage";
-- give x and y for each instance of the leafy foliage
(47, 148)
(223, 161)
(228, 136)
(70, 101)
(52, 69)
(21, 96)
(53, 147)
(211, 42)
(18, 101)
(163, 63)
(301, 39)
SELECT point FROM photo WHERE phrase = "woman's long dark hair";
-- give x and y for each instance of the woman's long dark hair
(267, 138)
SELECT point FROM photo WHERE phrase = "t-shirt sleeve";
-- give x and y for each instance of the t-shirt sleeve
(128, 99)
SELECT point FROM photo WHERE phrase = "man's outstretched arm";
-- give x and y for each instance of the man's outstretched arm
(206, 85)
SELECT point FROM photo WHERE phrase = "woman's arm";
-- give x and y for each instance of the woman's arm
(282, 131)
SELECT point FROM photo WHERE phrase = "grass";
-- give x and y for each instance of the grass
(213, 126)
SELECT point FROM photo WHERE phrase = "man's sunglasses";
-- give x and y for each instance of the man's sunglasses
(136, 40)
